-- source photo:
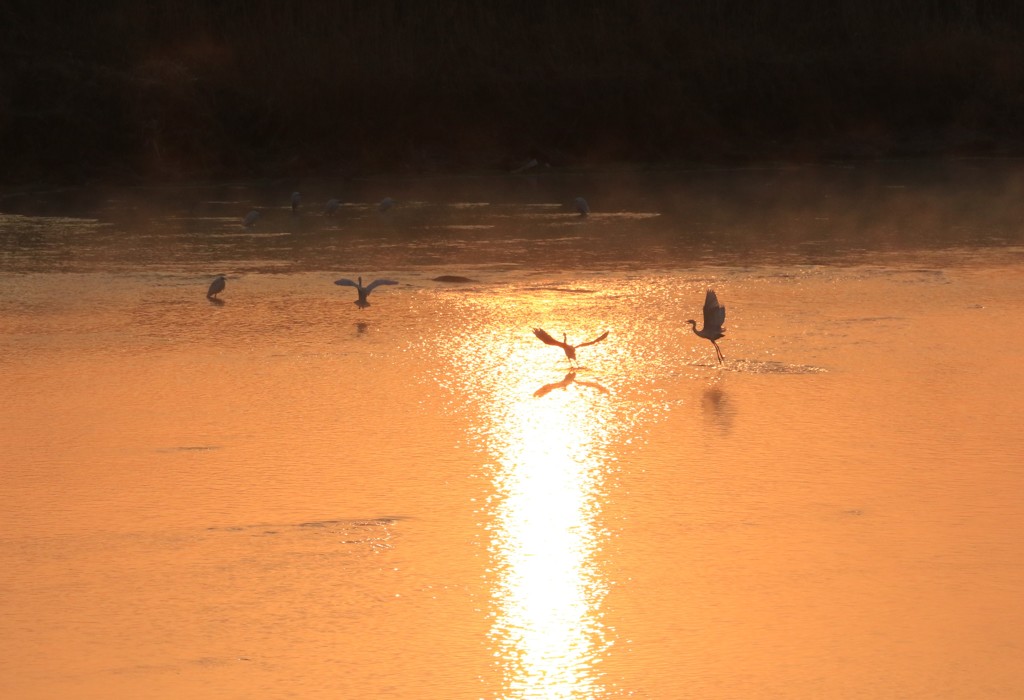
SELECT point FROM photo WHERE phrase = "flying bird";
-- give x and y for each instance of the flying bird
(582, 207)
(296, 201)
(714, 317)
(363, 291)
(216, 287)
(570, 350)
(250, 219)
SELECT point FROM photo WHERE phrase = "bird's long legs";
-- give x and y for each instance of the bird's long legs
(718, 351)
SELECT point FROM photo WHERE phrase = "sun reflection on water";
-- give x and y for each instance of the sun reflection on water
(545, 538)
(546, 433)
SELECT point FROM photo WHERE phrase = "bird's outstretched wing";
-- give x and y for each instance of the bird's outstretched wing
(345, 283)
(544, 337)
(598, 339)
(714, 314)
(376, 283)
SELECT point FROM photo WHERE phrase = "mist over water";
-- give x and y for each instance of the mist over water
(283, 494)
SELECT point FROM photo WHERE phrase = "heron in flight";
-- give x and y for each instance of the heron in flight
(582, 207)
(216, 287)
(363, 291)
(296, 201)
(714, 317)
(250, 218)
(570, 350)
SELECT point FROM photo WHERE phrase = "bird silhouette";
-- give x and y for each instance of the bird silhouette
(250, 219)
(296, 201)
(714, 317)
(216, 287)
(582, 207)
(570, 350)
(332, 207)
(363, 291)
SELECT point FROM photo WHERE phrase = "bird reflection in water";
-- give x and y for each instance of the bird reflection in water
(716, 407)
(570, 378)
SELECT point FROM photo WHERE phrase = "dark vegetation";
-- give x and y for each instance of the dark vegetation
(168, 89)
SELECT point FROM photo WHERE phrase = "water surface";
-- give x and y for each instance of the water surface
(282, 495)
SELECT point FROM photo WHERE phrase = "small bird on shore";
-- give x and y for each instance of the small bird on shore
(250, 218)
(363, 291)
(216, 287)
(714, 317)
(570, 350)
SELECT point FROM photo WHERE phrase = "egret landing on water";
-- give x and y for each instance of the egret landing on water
(570, 350)
(714, 317)
(363, 291)
(216, 287)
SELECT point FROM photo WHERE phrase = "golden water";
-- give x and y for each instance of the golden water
(285, 496)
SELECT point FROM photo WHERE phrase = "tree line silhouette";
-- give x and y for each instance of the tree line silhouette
(184, 89)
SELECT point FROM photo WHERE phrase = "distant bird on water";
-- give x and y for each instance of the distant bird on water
(216, 287)
(570, 350)
(296, 201)
(714, 317)
(332, 207)
(250, 219)
(363, 291)
(582, 207)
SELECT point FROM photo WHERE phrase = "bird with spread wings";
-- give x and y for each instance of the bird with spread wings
(362, 291)
(714, 317)
(570, 350)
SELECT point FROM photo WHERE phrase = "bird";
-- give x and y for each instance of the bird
(570, 350)
(385, 204)
(296, 201)
(363, 291)
(582, 207)
(332, 207)
(250, 219)
(714, 317)
(216, 287)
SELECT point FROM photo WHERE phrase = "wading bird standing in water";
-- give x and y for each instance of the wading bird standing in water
(216, 287)
(714, 317)
(570, 350)
(363, 291)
